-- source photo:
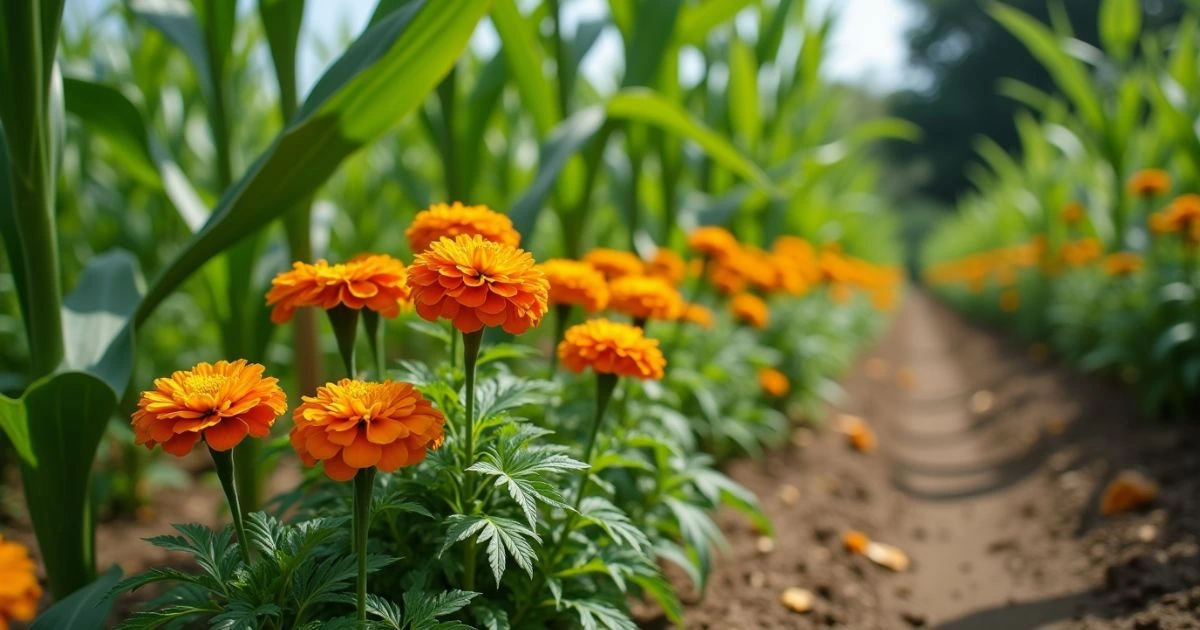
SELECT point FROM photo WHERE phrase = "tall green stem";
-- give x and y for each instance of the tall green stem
(225, 472)
(562, 315)
(471, 343)
(446, 98)
(364, 484)
(345, 330)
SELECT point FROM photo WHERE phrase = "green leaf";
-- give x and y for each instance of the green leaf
(660, 590)
(1174, 337)
(564, 142)
(595, 614)
(380, 79)
(644, 52)
(646, 106)
(96, 319)
(526, 63)
(13, 248)
(281, 21)
(504, 537)
(177, 22)
(1120, 25)
(696, 21)
(85, 609)
(422, 609)
(743, 94)
(1068, 72)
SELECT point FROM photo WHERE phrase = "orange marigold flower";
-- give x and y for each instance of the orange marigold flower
(1081, 252)
(750, 309)
(373, 281)
(610, 347)
(1073, 212)
(728, 275)
(667, 265)
(697, 314)
(358, 424)
(773, 382)
(575, 283)
(1122, 264)
(759, 269)
(442, 220)
(475, 283)
(1151, 182)
(645, 297)
(19, 588)
(222, 402)
(1010, 300)
(713, 242)
(615, 263)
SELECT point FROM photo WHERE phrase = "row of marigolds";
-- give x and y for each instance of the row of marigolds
(1129, 308)
(587, 517)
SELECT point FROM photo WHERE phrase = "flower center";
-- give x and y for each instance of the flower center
(208, 384)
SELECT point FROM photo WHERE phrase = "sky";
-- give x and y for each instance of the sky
(867, 45)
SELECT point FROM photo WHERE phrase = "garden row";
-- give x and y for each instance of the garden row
(473, 480)
(1087, 243)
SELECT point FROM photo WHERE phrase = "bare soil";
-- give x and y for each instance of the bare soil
(994, 501)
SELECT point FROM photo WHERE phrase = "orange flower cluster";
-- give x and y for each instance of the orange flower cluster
(575, 283)
(645, 297)
(373, 281)
(1001, 264)
(450, 220)
(697, 314)
(773, 382)
(667, 265)
(222, 402)
(1182, 216)
(844, 274)
(1073, 213)
(712, 242)
(611, 348)
(357, 424)
(1148, 183)
(1081, 252)
(750, 309)
(475, 283)
(796, 262)
(615, 263)
(1122, 264)
(19, 588)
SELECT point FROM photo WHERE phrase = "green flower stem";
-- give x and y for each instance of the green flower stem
(345, 330)
(693, 297)
(224, 463)
(375, 328)
(471, 343)
(364, 484)
(562, 314)
(606, 384)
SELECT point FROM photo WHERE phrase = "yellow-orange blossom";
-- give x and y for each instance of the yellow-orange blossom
(353, 424)
(449, 221)
(19, 588)
(223, 402)
(475, 283)
(610, 347)
(373, 281)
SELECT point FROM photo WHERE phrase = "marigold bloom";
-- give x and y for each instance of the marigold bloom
(1073, 212)
(358, 424)
(222, 402)
(773, 382)
(697, 314)
(19, 588)
(758, 267)
(575, 283)
(713, 242)
(610, 347)
(615, 263)
(750, 309)
(442, 220)
(1183, 215)
(1151, 182)
(1122, 264)
(374, 281)
(474, 283)
(1010, 300)
(667, 265)
(645, 297)
(1081, 252)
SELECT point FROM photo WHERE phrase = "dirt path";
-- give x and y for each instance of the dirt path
(988, 475)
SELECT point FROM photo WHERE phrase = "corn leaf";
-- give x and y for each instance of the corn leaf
(1120, 25)
(85, 609)
(743, 94)
(644, 51)
(526, 63)
(281, 21)
(695, 22)
(382, 77)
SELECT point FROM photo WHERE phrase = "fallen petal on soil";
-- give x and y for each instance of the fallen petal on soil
(1129, 491)
(797, 599)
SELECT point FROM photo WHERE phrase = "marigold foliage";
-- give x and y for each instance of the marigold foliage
(355, 424)
(474, 283)
(221, 402)
(609, 347)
